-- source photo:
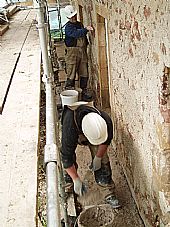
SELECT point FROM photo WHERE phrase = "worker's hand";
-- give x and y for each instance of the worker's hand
(96, 163)
(89, 28)
(79, 187)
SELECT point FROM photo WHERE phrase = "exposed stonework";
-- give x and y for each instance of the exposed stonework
(139, 49)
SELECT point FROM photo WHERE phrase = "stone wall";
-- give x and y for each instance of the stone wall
(139, 79)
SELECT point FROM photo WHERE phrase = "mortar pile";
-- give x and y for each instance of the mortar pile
(100, 215)
(95, 194)
(91, 197)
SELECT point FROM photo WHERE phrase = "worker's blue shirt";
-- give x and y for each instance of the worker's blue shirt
(73, 31)
(71, 131)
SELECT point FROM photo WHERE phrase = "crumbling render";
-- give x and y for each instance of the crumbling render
(165, 95)
(164, 102)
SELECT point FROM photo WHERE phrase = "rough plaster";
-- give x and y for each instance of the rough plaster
(138, 59)
(139, 41)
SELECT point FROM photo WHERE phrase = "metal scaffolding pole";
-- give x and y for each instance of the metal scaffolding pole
(53, 205)
(59, 19)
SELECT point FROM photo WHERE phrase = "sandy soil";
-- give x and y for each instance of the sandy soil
(127, 215)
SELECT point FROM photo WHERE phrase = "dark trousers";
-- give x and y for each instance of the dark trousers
(103, 176)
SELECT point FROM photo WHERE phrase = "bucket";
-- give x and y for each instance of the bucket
(69, 97)
(100, 215)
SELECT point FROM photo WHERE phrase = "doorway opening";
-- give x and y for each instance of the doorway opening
(80, 14)
(103, 61)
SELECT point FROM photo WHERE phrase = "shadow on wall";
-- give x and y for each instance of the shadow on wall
(133, 167)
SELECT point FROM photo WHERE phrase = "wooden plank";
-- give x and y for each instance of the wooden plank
(3, 28)
(12, 9)
(19, 139)
(11, 45)
(71, 206)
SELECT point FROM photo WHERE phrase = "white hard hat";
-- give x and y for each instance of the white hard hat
(94, 128)
(70, 11)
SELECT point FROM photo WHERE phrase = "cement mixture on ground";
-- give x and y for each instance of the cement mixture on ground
(127, 215)
(101, 215)
(95, 194)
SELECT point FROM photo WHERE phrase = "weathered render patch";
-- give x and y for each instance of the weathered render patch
(164, 138)
(139, 50)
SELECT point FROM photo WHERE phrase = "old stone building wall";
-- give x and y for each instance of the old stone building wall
(137, 43)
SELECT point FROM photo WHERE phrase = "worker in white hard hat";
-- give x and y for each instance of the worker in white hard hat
(76, 49)
(84, 124)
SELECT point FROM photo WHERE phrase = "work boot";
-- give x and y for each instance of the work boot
(113, 201)
(87, 95)
(70, 84)
(103, 176)
(83, 82)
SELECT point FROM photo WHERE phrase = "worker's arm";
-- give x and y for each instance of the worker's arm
(72, 172)
(69, 144)
(76, 32)
(102, 149)
(79, 187)
(69, 139)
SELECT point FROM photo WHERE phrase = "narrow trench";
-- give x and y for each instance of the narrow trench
(42, 217)
(127, 216)
(42, 205)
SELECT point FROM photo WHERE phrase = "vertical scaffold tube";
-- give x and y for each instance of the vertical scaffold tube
(53, 206)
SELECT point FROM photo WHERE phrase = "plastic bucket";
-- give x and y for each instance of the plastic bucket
(69, 97)
(101, 215)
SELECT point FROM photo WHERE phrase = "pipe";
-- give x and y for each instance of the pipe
(52, 160)
(59, 20)
(61, 182)
(53, 206)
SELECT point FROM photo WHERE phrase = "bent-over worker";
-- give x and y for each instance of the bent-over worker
(84, 124)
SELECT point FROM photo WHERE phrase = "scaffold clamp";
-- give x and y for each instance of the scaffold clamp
(50, 154)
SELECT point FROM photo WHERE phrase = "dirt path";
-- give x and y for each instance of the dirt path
(127, 216)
